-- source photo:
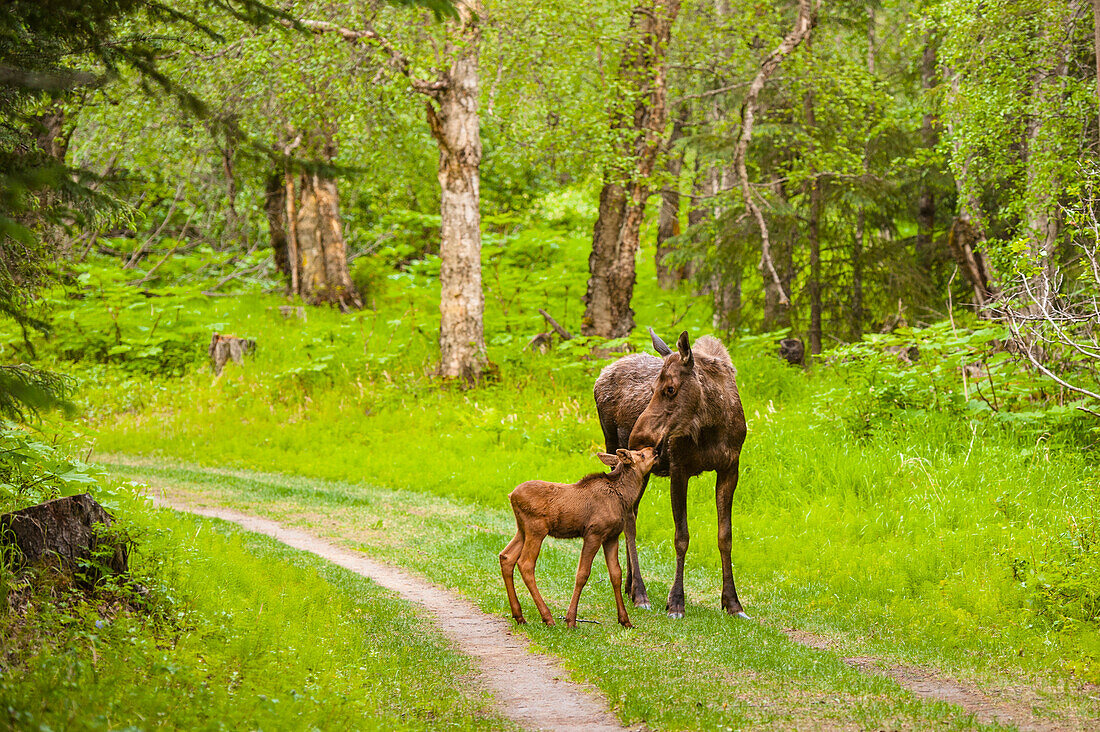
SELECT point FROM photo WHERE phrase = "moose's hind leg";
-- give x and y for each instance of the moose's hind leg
(615, 572)
(635, 585)
(584, 569)
(508, 559)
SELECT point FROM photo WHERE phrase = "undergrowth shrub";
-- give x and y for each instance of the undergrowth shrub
(33, 470)
(1063, 577)
(969, 373)
(160, 335)
(1060, 576)
(370, 275)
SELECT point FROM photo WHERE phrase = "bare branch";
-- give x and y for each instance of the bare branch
(708, 93)
(1027, 350)
(356, 37)
(807, 17)
(1052, 312)
(565, 335)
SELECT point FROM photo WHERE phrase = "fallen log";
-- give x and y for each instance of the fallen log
(541, 342)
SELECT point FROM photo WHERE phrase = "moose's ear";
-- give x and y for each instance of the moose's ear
(685, 351)
(658, 345)
(609, 460)
(625, 457)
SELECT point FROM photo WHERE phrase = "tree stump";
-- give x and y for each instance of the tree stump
(792, 350)
(293, 311)
(62, 532)
(905, 354)
(225, 347)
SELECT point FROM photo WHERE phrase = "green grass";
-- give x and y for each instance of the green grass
(253, 635)
(727, 672)
(884, 507)
(911, 537)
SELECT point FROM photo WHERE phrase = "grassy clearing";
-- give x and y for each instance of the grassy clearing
(908, 514)
(727, 673)
(245, 633)
(927, 536)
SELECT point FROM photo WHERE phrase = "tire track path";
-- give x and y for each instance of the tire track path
(531, 689)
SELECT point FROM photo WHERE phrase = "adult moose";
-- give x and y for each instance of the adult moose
(688, 407)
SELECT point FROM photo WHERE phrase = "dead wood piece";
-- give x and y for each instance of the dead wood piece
(63, 532)
(540, 343)
(608, 351)
(565, 335)
(226, 347)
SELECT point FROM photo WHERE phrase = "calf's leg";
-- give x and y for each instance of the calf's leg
(611, 556)
(532, 543)
(635, 586)
(508, 559)
(584, 568)
(678, 490)
(614, 438)
(723, 491)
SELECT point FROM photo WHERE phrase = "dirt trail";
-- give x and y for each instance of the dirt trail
(1012, 707)
(531, 689)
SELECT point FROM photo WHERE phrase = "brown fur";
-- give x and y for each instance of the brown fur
(594, 509)
(689, 408)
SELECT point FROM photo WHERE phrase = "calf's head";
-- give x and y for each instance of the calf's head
(643, 459)
(677, 396)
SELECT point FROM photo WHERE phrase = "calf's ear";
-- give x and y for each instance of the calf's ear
(625, 457)
(608, 459)
(686, 356)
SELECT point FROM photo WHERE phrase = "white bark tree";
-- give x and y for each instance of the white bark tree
(451, 110)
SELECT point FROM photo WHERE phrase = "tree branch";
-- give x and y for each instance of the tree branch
(708, 93)
(807, 17)
(565, 335)
(357, 37)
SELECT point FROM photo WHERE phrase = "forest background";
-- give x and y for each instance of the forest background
(909, 188)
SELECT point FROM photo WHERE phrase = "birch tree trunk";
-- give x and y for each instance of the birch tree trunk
(803, 26)
(616, 235)
(668, 221)
(456, 126)
(452, 114)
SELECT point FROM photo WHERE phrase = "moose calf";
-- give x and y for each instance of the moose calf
(595, 509)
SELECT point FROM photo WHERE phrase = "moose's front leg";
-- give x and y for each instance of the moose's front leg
(723, 491)
(678, 491)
